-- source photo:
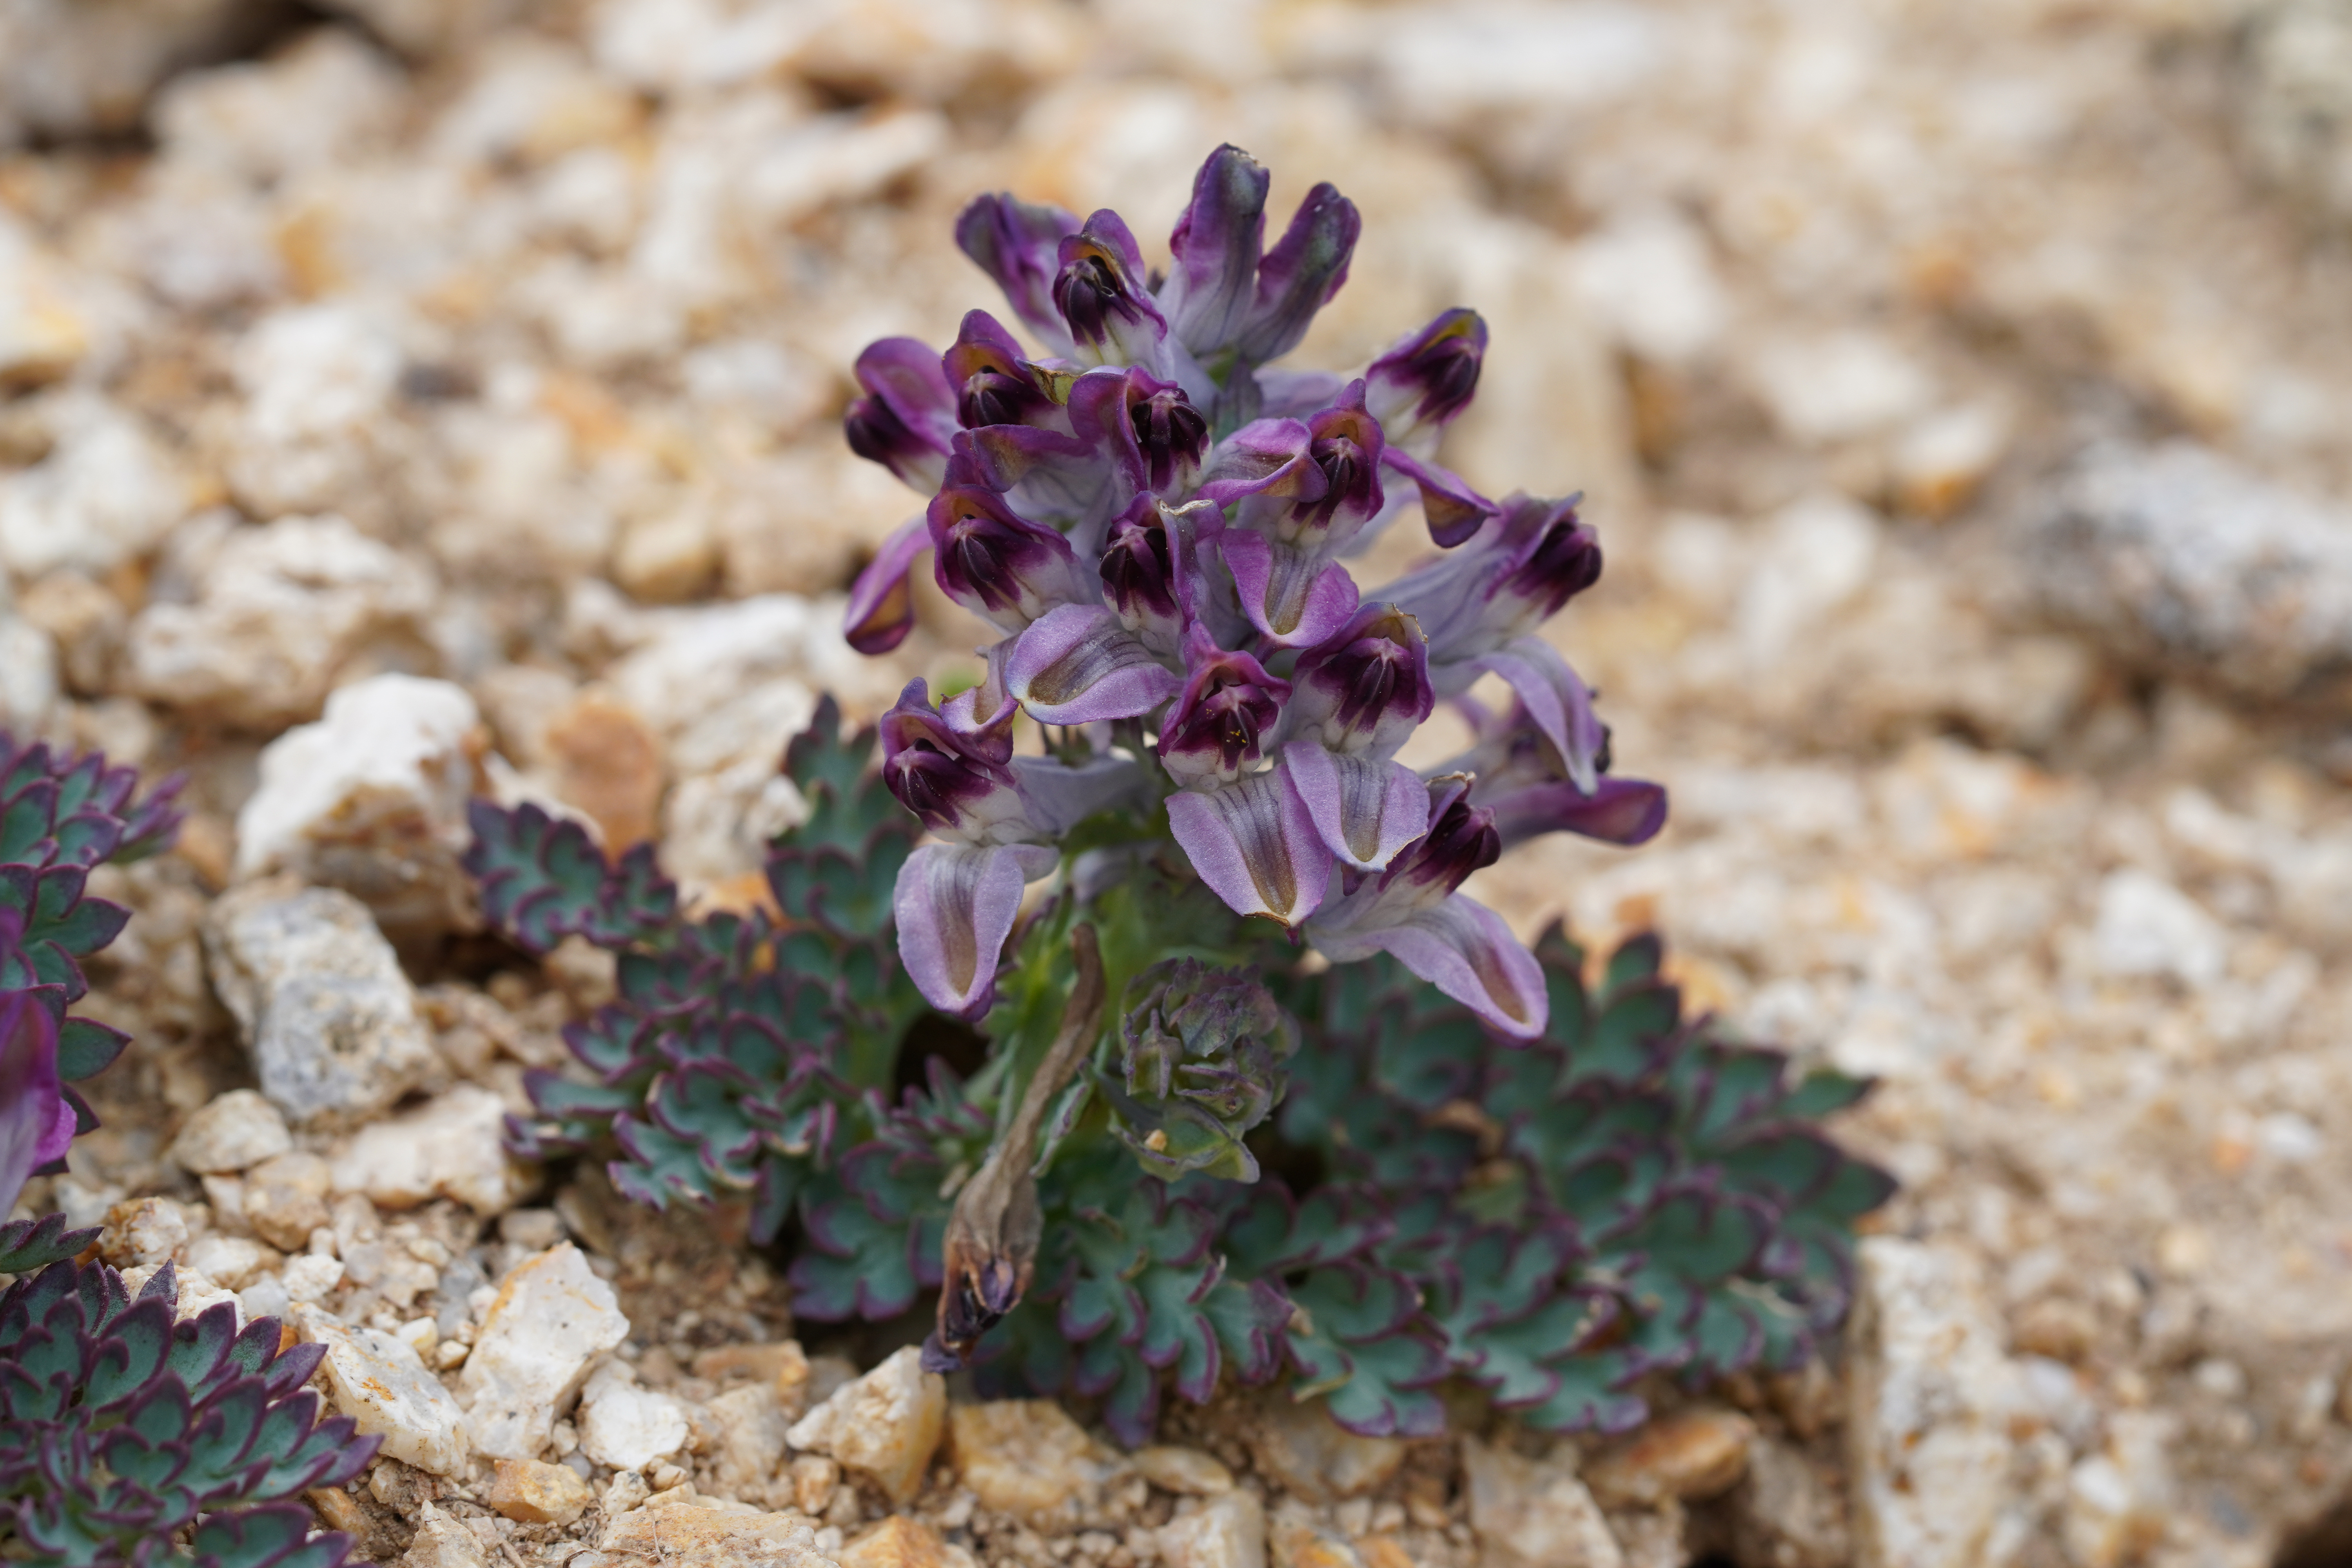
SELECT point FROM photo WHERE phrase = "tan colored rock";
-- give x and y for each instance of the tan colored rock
(1301, 1445)
(453, 1146)
(1188, 1471)
(232, 1261)
(884, 1425)
(144, 1230)
(626, 1427)
(1785, 1514)
(531, 1494)
(1297, 1538)
(1025, 1457)
(234, 1131)
(377, 1380)
(900, 1542)
(1227, 1531)
(782, 1363)
(686, 1531)
(814, 1480)
(442, 1541)
(1690, 1455)
(744, 1428)
(607, 762)
(1531, 1513)
(552, 1318)
(286, 1199)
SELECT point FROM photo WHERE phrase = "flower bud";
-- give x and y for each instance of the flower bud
(1203, 1058)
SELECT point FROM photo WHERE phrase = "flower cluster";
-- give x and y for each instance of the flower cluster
(1158, 523)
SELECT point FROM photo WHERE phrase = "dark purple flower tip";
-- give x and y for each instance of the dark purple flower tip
(1462, 838)
(1101, 294)
(994, 561)
(1215, 247)
(1428, 377)
(1558, 556)
(1345, 443)
(946, 775)
(37, 1120)
(1229, 705)
(907, 415)
(1019, 244)
(1139, 566)
(1624, 812)
(1169, 433)
(881, 608)
(995, 383)
(1368, 685)
(1299, 276)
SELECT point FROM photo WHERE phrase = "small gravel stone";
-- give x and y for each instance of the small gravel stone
(232, 1131)
(1184, 1470)
(1227, 1531)
(531, 1494)
(884, 1425)
(551, 1318)
(442, 1541)
(678, 1530)
(1690, 1455)
(311, 1277)
(1533, 1514)
(745, 1433)
(285, 1199)
(232, 1260)
(1301, 1445)
(901, 1542)
(453, 1146)
(377, 1381)
(626, 1427)
(1025, 1457)
(144, 1230)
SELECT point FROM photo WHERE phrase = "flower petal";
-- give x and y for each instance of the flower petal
(1212, 286)
(1019, 244)
(1062, 795)
(955, 905)
(1427, 377)
(881, 604)
(35, 1123)
(1366, 811)
(1621, 811)
(1464, 949)
(1300, 274)
(1253, 844)
(1454, 511)
(1295, 596)
(1103, 297)
(1556, 700)
(1080, 664)
(908, 417)
(1265, 457)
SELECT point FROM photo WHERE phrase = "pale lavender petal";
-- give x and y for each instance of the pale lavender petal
(1050, 477)
(1464, 949)
(1296, 393)
(1062, 795)
(1254, 846)
(1556, 700)
(1366, 811)
(1454, 511)
(1294, 596)
(956, 904)
(1079, 665)
(881, 603)
(32, 1109)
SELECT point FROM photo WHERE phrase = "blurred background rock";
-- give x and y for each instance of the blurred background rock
(1963, 392)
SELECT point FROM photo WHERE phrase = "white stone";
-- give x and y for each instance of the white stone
(106, 494)
(377, 1380)
(232, 1132)
(311, 1277)
(233, 1261)
(29, 674)
(885, 1424)
(747, 1432)
(1838, 387)
(626, 1427)
(452, 1146)
(1648, 280)
(1931, 1400)
(144, 1231)
(2149, 927)
(330, 1019)
(1226, 1532)
(1533, 1514)
(551, 1318)
(1816, 557)
(1450, 64)
(279, 612)
(677, 1529)
(320, 102)
(442, 1541)
(68, 68)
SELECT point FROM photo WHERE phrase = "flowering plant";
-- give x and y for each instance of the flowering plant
(1159, 523)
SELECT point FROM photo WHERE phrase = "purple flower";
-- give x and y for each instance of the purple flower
(881, 603)
(1412, 912)
(1228, 303)
(1102, 295)
(36, 1122)
(993, 381)
(1254, 843)
(952, 767)
(907, 415)
(1228, 709)
(1019, 244)
(994, 562)
(1426, 378)
(1355, 699)
(1524, 782)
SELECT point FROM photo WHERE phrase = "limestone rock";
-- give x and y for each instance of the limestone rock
(551, 1318)
(327, 1014)
(531, 1494)
(2149, 927)
(105, 495)
(1227, 1531)
(68, 69)
(1533, 1514)
(233, 1262)
(1784, 1515)
(280, 613)
(1301, 1445)
(902, 1542)
(2294, 108)
(606, 761)
(442, 1541)
(1025, 1457)
(311, 1277)
(692, 1533)
(884, 1425)
(1297, 1539)
(372, 799)
(144, 1230)
(452, 1146)
(746, 1431)
(626, 1427)
(1690, 1455)
(1183, 1470)
(376, 1380)
(285, 1199)
(1931, 1398)
(232, 1131)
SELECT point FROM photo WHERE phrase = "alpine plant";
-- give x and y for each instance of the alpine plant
(1159, 523)
(1265, 1100)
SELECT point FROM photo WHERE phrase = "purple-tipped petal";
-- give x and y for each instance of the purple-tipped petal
(1212, 287)
(1556, 700)
(1365, 810)
(1019, 244)
(1225, 714)
(881, 602)
(1514, 573)
(1345, 443)
(1454, 511)
(1253, 844)
(907, 417)
(955, 905)
(36, 1124)
(1620, 811)
(1079, 665)
(994, 562)
(1145, 428)
(950, 766)
(1426, 378)
(1297, 597)
(1266, 456)
(1049, 477)
(1366, 687)
(1300, 274)
(1466, 950)
(1102, 295)
(992, 379)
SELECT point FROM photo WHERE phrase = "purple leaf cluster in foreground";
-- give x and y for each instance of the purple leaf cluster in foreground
(1158, 523)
